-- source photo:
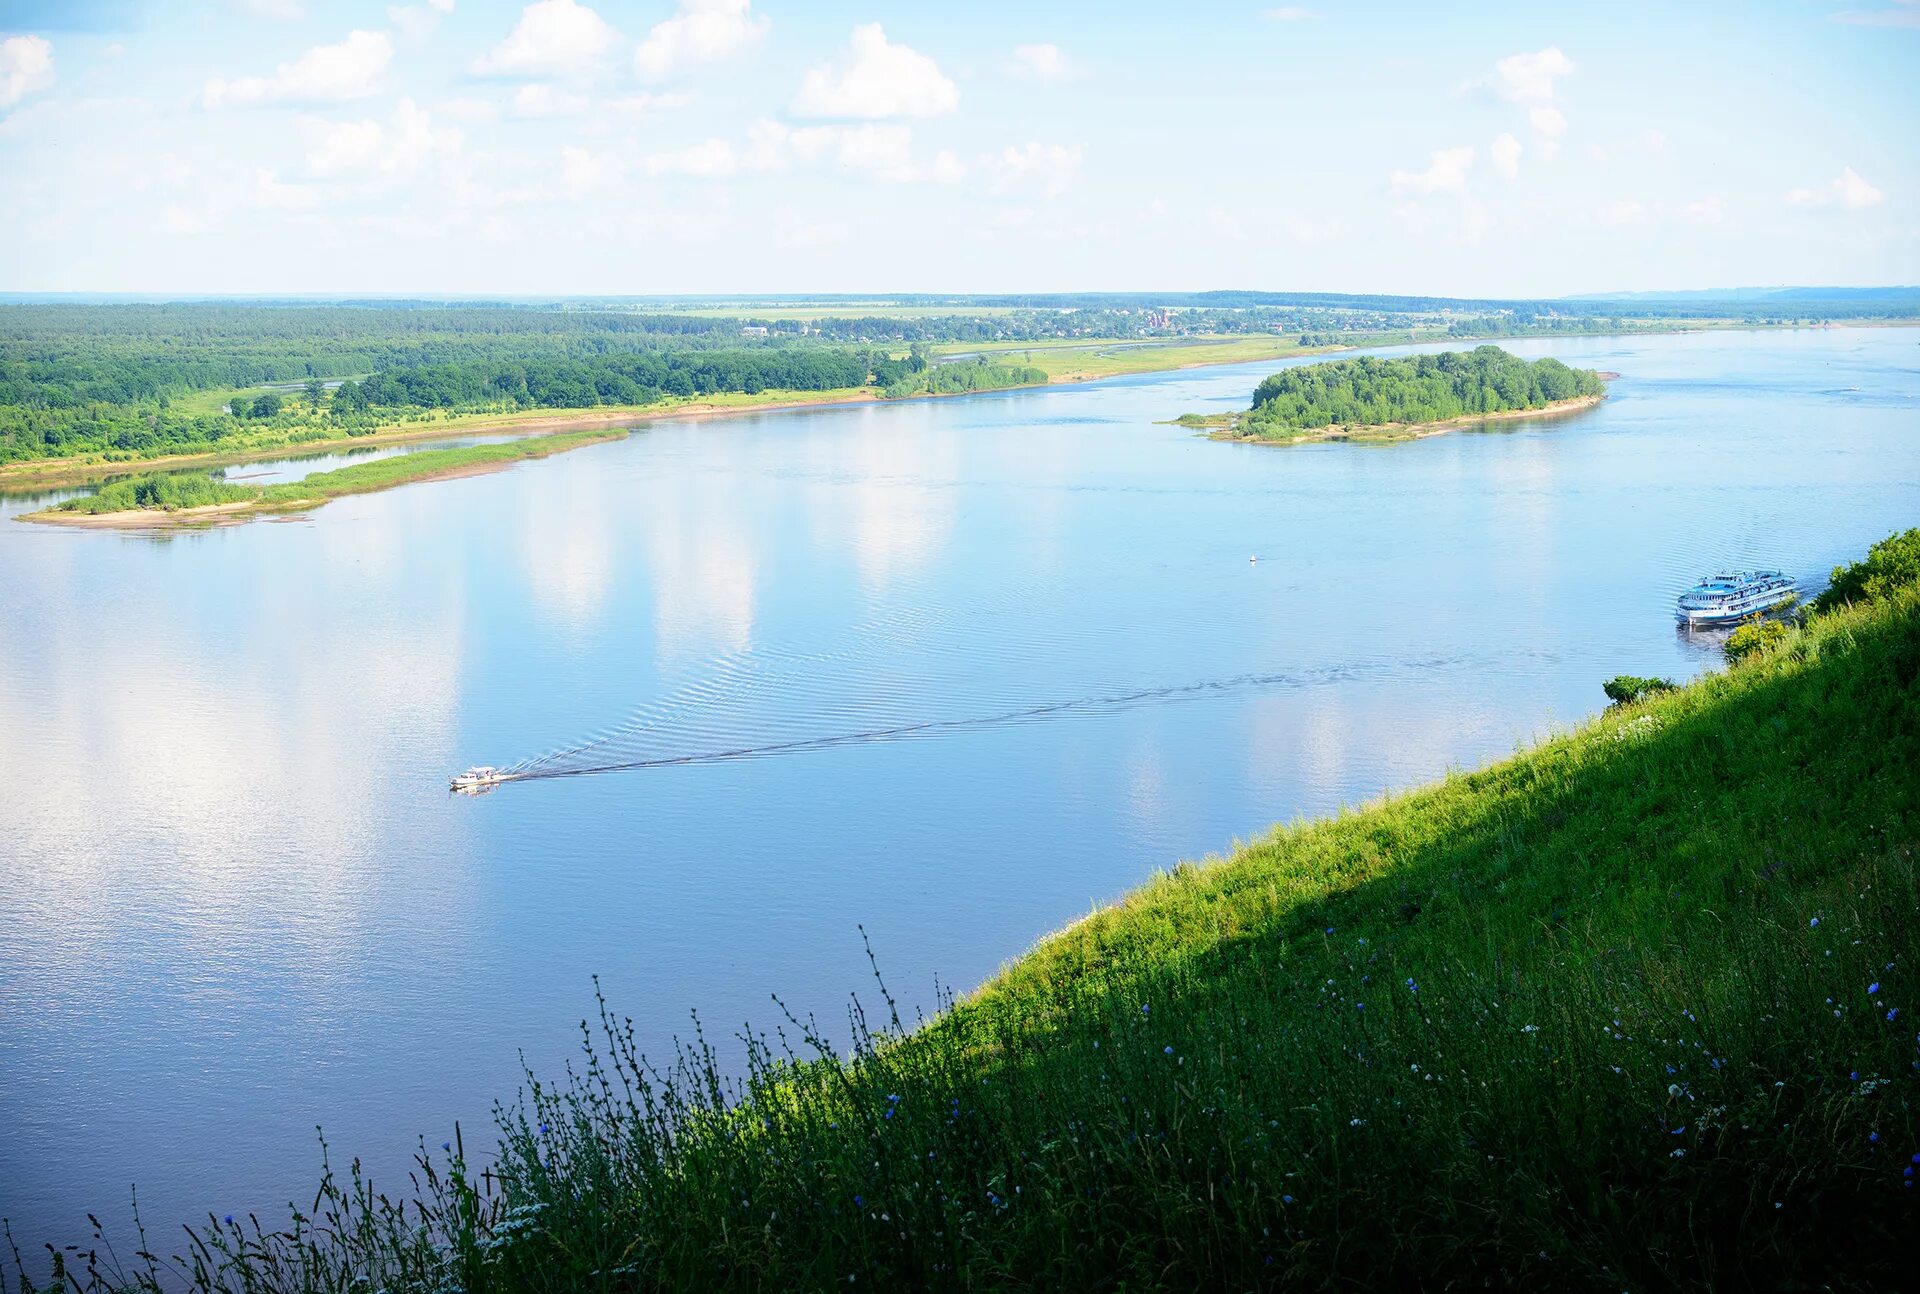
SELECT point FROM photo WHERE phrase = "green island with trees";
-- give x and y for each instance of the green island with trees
(1598, 1016)
(1402, 398)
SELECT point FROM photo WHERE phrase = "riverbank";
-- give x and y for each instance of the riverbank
(1598, 1016)
(100, 511)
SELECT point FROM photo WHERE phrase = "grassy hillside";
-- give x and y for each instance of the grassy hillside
(1632, 1010)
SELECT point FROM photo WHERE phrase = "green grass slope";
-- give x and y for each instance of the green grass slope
(1632, 1010)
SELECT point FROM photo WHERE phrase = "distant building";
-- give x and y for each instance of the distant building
(754, 330)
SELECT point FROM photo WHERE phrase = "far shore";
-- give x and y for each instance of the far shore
(53, 473)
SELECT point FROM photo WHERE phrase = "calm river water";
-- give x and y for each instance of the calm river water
(1009, 652)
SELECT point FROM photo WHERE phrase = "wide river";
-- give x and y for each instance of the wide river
(952, 670)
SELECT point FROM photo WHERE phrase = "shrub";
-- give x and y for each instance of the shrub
(1892, 562)
(1751, 638)
(1624, 689)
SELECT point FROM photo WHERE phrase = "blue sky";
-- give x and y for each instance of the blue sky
(643, 146)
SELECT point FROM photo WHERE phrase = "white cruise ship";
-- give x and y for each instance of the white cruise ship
(1731, 597)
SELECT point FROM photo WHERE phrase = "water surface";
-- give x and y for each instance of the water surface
(955, 670)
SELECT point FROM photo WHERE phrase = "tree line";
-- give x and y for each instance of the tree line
(1412, 389)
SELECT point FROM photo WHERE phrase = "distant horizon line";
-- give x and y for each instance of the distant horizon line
(1244, 296)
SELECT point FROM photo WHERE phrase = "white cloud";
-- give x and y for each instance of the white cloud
(538, 99)
(709, 159)
(1050, 168)
(876, 79)
(582, 171)
(268, 191)
(417, 21)
(351, 69)
(1850, 190)
(1704, 211)
(1549, 124)
(284, 10)
(1047, 64)
(1505, 152)
(647, 104)
(551, 38)
(1856, 192)
(1904, 17)
(700, 31)
(1531, 78)
(1617, 214)
(1291, 13)
(26, 65)
(1446, 173)
(361, 149)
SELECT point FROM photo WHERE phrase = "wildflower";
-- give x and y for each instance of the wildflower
(1815, 923)
(1143, 1008)
(1412, 987)
(1167, 1050)
(858, 1201)
(1529, 1028)
(1356, 1123)
(1874, 1137)
(1678, 1154)
(229, 1219)
(1682, 1128)
(1286, 1199)
(543, 1129)
(1329, 929)
(1359, 1006)
(447, 1146)
(1873, 988)
(893, 1100)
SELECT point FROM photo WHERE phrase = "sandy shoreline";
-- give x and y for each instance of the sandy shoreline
(243, 510)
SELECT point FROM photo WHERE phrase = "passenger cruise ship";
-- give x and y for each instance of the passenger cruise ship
(1729, 598)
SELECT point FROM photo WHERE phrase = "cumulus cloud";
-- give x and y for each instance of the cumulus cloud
(700, 31)
(1506, 152)
(26, 66)
(417, 21)
(582, 171)
(399, 146)
(1624, 212)
(1446, 173)
(876, 79)
(1047, 64)
(1531, 78)
(1850, 190)
(351, 69)
(553, 37)
(1704, 211)
(538, 99)
(883, 150)
(1048, 168)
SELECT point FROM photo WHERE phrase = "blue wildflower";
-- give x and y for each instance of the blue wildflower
(893, 1100)
(1815, 923)
(1167, 1050)
(1412, 987)
(1143, 1008)
(1286, 1199)
(1873, 988)
(447, 1146)
(1359, 1006)
(1329, 929)
(858, 1201)
(1893, 1013)
(1873, 1137)
(229, 1219)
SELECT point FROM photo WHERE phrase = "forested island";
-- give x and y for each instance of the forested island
(1403, 397)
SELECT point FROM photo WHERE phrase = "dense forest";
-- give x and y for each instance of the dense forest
(1370, 392)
